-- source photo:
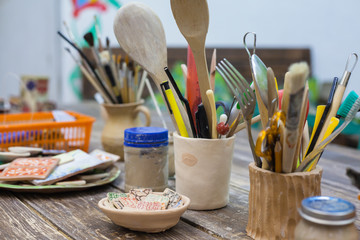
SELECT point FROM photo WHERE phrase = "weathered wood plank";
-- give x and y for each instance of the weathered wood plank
(20, 222)
(78, 215)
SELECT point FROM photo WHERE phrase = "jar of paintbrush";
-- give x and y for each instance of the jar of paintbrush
(119, 83)
(286, 171)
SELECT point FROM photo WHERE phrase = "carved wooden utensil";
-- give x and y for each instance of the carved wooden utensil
(140, 33)
(192, 19)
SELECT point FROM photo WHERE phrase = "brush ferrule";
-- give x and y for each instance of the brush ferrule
(345, 78)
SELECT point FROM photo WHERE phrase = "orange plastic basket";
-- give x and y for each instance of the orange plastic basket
(40, 130)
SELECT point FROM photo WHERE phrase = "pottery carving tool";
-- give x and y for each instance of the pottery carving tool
(259, 76)
(202, 126)
(278, 157)
(182, 99)
(141, 35)
(294, 87)
(192, 19)
(303, 116)
(343, 112)
(211, 99)
(338, 95)
(184, 71)
(351, 107)
(174, 109)
(324, 113)
(272, 93)
(213, 70)
(222, 127)
(192, 83)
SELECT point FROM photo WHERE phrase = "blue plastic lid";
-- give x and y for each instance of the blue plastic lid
(146, 137)
(327, 210)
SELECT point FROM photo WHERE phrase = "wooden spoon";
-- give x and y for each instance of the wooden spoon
(192, 19)
(140, 33)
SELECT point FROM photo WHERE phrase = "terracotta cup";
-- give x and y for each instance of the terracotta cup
(202, 170)
(274, 200)
(119, 117)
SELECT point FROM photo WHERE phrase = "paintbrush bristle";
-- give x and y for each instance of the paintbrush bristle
(301, 68)
(89, 38)
(104, 57)
(299, 74)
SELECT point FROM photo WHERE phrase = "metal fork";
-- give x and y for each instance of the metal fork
(244, 95)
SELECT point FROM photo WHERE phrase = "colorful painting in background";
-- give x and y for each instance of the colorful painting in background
(80, 6)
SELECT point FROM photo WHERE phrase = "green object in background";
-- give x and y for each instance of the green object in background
(313, 91)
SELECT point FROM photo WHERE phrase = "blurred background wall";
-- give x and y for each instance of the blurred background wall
(29, 43)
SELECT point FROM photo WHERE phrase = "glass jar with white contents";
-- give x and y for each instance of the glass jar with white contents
(326, 218)
(146, 158)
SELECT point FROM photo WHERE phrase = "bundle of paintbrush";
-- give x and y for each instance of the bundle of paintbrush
(116, 79)
(284, 144)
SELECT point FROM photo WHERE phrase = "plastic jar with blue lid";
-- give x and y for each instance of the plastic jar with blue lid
(326, 218)
(146, 158)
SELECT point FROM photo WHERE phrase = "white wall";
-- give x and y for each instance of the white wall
(29, 43)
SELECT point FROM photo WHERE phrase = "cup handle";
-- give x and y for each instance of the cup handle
(146, 112)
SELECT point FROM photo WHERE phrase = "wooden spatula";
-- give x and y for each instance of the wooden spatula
(192, 19)
(140, 33)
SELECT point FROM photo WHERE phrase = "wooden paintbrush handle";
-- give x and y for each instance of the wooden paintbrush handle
(211, 98)
(95, 84)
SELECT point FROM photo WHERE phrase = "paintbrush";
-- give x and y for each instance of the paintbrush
(89, 64)
(112, 64)
(98, 35)
(294, 87)
(90, 77)
(89, 38)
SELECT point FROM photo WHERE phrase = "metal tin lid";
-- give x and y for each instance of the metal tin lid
(146, 137)
(327, 210)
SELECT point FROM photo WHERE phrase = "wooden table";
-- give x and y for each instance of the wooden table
(75, 215)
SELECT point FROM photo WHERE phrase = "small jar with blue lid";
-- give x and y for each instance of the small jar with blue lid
(146, 158)
(326, 218)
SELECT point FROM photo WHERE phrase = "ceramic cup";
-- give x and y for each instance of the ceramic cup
(202, 169)
(274, 199)
(117, 118)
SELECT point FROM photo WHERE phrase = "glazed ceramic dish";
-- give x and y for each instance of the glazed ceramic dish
(114, 173)
(145, 221)
(10, 156)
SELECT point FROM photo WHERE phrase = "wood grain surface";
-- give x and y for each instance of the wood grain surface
(75, 215)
